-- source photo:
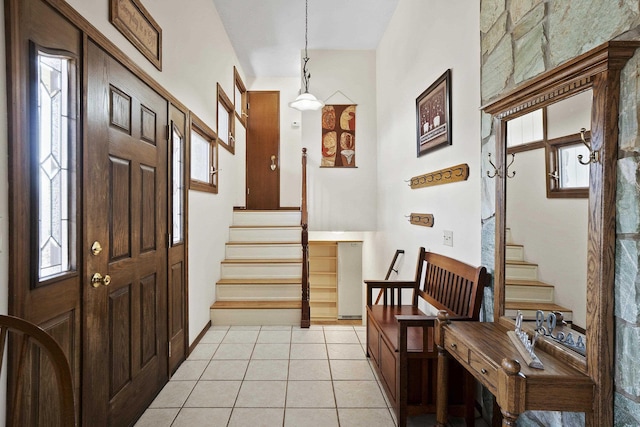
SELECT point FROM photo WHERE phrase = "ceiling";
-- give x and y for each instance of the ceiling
(268, 35)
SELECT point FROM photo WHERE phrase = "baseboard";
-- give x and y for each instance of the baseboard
(199, 337)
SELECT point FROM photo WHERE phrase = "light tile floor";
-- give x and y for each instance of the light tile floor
(253, 376)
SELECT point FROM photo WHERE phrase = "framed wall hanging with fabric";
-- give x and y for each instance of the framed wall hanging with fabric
(338, 136)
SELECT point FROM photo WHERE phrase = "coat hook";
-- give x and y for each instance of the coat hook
(496, 172)
(513, 159)
(496, 169)
(594, 155)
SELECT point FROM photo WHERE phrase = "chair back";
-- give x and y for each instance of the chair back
(26, 334)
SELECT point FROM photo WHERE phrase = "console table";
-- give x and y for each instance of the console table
(484, 349)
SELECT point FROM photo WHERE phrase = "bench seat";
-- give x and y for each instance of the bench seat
(400, 337)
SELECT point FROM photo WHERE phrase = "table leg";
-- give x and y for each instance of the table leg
(443, 386)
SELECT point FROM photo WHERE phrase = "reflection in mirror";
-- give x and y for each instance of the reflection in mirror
(546, 253)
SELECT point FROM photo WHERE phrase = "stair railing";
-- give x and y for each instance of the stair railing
(391, 269)
(305, 318)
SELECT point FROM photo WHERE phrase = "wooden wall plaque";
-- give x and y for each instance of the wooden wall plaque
(136, 24)
(423, 219)
(442, 176)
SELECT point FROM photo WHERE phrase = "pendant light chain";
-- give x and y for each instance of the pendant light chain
(305, 73)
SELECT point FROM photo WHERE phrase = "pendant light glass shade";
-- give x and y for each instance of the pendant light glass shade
(305, 101)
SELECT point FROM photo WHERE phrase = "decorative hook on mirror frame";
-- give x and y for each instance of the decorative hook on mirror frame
(496, 169)
(496, 172)
(513, 159)
(594, 155)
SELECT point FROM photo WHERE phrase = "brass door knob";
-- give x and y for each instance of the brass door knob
(97, 279)
(273, 162)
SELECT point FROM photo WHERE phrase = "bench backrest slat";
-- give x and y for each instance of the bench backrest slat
(449, 284)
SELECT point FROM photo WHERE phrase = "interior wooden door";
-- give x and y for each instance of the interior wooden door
(125, 355)
(263, 150)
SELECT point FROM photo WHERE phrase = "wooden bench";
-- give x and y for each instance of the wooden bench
(400, 338)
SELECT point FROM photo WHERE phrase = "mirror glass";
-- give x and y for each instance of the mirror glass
(547, 232)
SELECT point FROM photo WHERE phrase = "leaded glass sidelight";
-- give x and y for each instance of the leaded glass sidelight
(55, 177)
(178, 187)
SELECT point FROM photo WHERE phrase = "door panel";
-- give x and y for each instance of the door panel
(263, 142)
(126, 360)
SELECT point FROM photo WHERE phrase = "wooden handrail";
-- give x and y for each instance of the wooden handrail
(305, 319)
(393, 263)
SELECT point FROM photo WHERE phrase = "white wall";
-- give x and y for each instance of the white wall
(196, 54)
(423, 40)
(553, 232)
(342, 199)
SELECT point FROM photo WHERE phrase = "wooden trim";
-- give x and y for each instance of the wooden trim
(137, 26)
(239, 84)
(199, 126)
(201, 335)
(223, 99)
(530, 146)
(572, 77)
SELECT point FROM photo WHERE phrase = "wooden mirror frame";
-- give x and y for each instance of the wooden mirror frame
(598, 69)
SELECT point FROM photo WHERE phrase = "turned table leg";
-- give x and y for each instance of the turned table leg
(508, 419)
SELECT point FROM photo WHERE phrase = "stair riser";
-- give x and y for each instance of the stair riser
(286, 218)
(519, 293)
(250, 292)
(521, 272)
(264, 251)
(264, 271)
(248, 316)
(514, 253)
(264, 235)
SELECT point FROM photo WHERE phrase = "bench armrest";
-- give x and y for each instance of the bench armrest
(395, 286)
(414, 321)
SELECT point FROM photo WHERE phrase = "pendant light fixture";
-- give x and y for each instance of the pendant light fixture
(306, 101)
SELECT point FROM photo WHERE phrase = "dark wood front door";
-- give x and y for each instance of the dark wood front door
(125, 355)
(263, 150)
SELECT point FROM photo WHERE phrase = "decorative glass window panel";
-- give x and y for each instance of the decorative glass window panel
(525, 129)
(178, 187)
(223, 123)
(55, 178)
(238, 99)
(200, 158)
(572, 174)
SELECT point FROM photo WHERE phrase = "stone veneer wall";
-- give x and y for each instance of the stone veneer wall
(519, 40)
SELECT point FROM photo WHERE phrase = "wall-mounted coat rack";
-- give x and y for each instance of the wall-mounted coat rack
(442, 176)
(422, 219)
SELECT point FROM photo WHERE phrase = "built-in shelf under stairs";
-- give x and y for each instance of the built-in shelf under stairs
(523, 290)
(260, 280)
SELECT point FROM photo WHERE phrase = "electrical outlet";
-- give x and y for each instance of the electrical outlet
(447, 238)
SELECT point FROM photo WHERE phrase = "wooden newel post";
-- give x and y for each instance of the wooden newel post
(443, 369)
(305, 317)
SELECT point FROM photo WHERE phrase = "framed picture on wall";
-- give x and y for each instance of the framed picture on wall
(433, 115)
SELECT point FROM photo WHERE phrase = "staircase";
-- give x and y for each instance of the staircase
(523, 290)
(260, 280)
